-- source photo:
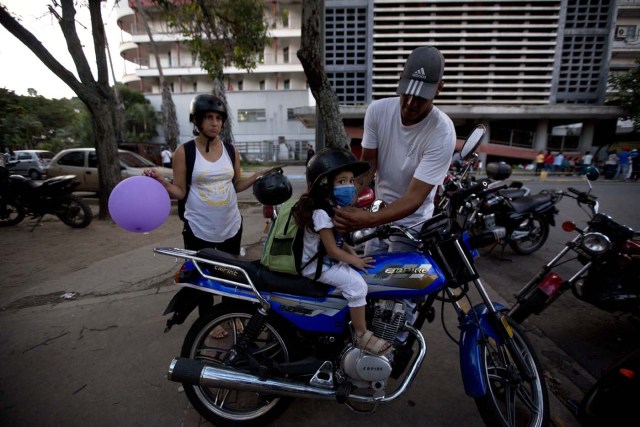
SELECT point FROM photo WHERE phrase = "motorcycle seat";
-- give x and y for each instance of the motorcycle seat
(512, 193)
(530, 203)
(263, 279)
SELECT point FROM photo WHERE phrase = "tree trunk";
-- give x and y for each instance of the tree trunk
(227, 131)
(313, 63)
(168, 108)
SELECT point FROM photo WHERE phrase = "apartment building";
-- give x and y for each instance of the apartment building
(524, 68)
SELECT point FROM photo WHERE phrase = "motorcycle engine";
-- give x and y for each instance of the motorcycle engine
(368, 370)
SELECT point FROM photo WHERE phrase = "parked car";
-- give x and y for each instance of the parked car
(83, 163)
(31, 163)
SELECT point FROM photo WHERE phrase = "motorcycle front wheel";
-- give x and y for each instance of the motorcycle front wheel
(209, 340)
(529, 235)
(11, 213)
(73, 211)
(512, 400)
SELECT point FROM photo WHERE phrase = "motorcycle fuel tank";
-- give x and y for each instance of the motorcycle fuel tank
(407, 274)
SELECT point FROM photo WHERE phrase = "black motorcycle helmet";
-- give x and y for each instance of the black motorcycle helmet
(202, 104)
(272, 188)
(328, 162)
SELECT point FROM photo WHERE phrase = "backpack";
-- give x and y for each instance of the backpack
(190, 160)
(284, 244)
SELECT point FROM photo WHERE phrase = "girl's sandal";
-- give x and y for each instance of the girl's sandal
(219, 332)
(372, 344)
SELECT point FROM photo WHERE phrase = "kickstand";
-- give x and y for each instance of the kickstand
(37, 223)
(504, 246)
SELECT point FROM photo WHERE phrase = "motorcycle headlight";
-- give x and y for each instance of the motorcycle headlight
(595, 243)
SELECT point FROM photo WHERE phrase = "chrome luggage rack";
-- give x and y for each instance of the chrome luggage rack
(234, 269)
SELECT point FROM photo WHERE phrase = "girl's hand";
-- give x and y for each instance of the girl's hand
(363, 263)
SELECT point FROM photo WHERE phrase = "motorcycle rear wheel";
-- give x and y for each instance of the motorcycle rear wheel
(510, 399)
(224, 407)
(74, 211)
(537, 233)
(11, 213)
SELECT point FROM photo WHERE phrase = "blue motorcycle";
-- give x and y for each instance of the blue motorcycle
(273, 337)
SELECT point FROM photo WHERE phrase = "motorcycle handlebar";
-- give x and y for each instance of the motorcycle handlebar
(583, 197)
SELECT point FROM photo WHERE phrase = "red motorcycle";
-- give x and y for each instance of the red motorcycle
(608, 265)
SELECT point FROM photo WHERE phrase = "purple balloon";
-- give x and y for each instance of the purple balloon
(139, 204)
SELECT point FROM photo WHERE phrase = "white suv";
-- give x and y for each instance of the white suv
(31, 163)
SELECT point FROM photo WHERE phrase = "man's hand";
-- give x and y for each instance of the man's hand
(347, 219)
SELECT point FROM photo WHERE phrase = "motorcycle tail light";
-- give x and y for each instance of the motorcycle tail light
(595, 243)
(568, 226)
(551, 284)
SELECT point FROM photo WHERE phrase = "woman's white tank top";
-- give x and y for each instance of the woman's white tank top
(212, 206)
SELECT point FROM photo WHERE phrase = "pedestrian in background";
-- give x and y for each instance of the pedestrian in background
(310, 152)
(587, 160)
(548, 161)
(557, 162)
(623, 164)
(167, 155)
(539, 162)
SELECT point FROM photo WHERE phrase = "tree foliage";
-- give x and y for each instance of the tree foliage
(35, 122)
(93, 91)
(221, 32)
(627, 89)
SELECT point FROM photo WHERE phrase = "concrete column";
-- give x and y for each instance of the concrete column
(540, 138)
(586, 136)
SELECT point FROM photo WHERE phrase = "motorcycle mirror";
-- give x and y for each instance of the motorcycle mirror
(365, 198)
(473, 142)
(592, 173)
(568, 226)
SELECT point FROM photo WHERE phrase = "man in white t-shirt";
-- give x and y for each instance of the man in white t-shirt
(409, 143)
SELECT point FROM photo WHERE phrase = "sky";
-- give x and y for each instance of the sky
(21, 69)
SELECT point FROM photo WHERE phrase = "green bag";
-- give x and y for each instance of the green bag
(283, 247)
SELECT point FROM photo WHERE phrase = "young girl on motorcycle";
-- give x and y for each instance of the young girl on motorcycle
(333, 185)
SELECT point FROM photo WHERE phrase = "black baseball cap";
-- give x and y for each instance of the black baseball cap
(422, 73)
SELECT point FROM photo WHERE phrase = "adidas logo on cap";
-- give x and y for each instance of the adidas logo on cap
(419, 74)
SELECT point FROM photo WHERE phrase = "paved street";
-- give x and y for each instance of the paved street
(99, 355)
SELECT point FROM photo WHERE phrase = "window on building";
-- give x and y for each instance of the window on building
(252, 115)
(285, 55)
(195, 87)
(262, 85)
(287, 84)
(169, 60)
(240, 82)
(172, 88)
(290, 115)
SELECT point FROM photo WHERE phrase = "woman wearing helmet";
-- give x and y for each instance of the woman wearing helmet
(330, 182)
(211, 215)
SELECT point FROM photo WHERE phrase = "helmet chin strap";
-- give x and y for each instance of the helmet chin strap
(209, 140)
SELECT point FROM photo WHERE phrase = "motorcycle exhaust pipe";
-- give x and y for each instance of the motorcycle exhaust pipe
(198, 373)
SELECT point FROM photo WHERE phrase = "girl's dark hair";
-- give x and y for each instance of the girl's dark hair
(309, 202)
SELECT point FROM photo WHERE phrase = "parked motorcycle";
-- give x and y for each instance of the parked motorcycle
(20, 196)
(273, 337)
(608, 265)
(503, 214)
